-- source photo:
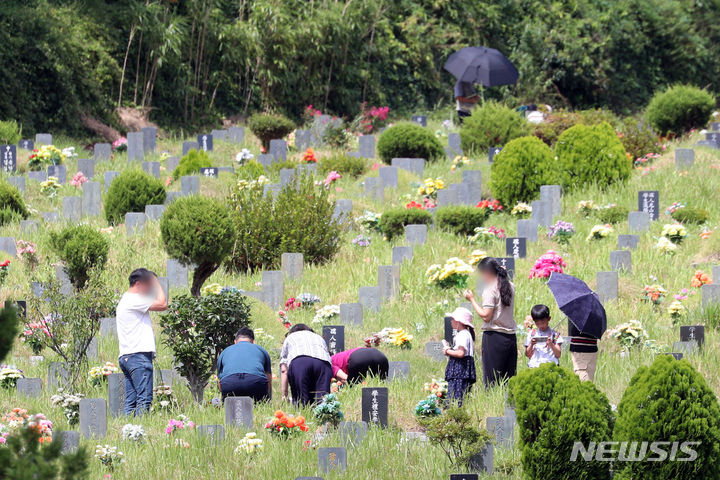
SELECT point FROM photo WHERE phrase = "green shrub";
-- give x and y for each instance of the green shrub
(518, 171)
(131, 191)
(554, 124)
(198, 230)
(10, 132)
(393, 221)
(299, 220)
(679, 109)
(554, 410)
(409, 140)
(9, 328)
(460, 220)
(8, 216)
(192, 163)
(336, 136)
(267, 126)
(491, 125)
(691, 215)
(250, 170)
(83, 249)
(639, 138)
(670, 401)
(343, 164)
(277, 166)
(456, 434)
(12, 199)
(24, 453)
(612, 215)
(592, 154)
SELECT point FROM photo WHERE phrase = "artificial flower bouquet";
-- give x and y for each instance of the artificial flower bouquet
(326, 313)
(546, 264)
(654, 294)
(453, 274)
(599, 232)
(676, 233)
(437, 388)
(98, 375)
(286, 426)
(561, 232)
(328, 411)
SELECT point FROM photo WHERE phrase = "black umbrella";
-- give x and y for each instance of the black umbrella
(580, 304)
(482, 65)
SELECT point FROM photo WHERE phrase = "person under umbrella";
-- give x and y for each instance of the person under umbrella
(466, 98)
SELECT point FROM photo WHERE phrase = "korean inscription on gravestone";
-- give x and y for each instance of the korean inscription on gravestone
(375, 406)
(693, 333)
(334, 336)
(205, 142)
(492, 151)
(516, 247)
(209, 171)
(648, 201)
(9, 158)
(26, 144)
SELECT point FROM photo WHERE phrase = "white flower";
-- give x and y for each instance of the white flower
(244, 156)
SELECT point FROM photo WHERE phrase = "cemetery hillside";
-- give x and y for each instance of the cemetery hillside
(324, 240)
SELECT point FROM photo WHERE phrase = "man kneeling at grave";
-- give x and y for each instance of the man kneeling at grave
(136, 338)
(244, 369)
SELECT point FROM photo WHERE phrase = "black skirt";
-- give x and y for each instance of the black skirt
(461, 369)
(499, 357)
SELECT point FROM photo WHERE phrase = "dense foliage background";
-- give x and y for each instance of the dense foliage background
(193, 61)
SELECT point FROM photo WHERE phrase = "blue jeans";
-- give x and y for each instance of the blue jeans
(138, 371)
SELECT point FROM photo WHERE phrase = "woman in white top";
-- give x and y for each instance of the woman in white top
(460, 370)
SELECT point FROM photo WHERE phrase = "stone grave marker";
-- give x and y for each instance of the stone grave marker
(272, 189)
(286, 176)
(621, 260)
(108, 177)
(190, 184)
(302, 140)
(461, 192)
(649, 202)
(416, 234)
(375, 404)
(401, 254)
(154, 212)
(308, 478)
(108, 326)
(686, 348)
(638, 221)
(28, 226)
(266, 160)
(134, 223)
(448, 331)
(135, 149)
(177, 273)
(116, 394)
(219, 135)
(43, 139)
(37, 289)
(714, 138)
(92, 349)
(484, 461)
(502, 431)
(473, 180)
(236, 134)
(528, 228)
(492, 151)
(542, 213)
(420, 120)
(675, 355)
(399, 370)
(149, 138)
(163, 281)
(607, 286)
(352, 433)
(209, 172)
(50, 216)
(388, 176)
(693, 333)
(63, 279)
(278, 149)
(351, 314)
(366, 146)
(375, 189)
(214, 433)
(628, 241)
(102, 152)
(369, 298)
(553, 195)
(93, 417)
(18, 182)
(151, 168)
(455, 144)
(334, 336)
(446, 197)
(8, 160)
(684, 158)
(8, 245)
(167, 376)
(516, 247)
(508, 263)
(58, 375)
(343, 208)
(29, 387)
(59, 172)
(307, 169)
(91, 199)
(87, 167)
(171, 164)
(68, 439)
(413, 165)
(332, 459)
(389, 281)
(187, 146)
(27, 144)
(273, 285)
(292, 265)
(72, 208)
(205, 142)
(435, 351)
(239, 412)
(170, 197)
(37, 176)
(715, 126)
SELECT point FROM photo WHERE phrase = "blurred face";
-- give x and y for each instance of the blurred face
(487, 277)
(455, 324)
(542, 324)
(144, 287)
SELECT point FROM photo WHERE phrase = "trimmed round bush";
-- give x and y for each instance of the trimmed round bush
(392, 222)
(270, 126)
(589, 154)
(554, 410)
(131, 191)
(491, 124)
(83, 249)
(11, 199)
(460, 220)
(518, 171)
(198, 230)
(612, 215)
(409, 140)
(670, 401)
(679, 109)
(192, 163)
(689, 215)
(344, 165)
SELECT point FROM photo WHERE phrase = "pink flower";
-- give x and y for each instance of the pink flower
(168, 182)
(78, 179)
(546, 264)
(331, 177)
(375, 166)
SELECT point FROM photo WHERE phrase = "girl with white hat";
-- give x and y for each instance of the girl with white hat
(460, 371)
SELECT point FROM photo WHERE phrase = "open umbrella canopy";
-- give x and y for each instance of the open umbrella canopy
(482, 65)
(580, 304)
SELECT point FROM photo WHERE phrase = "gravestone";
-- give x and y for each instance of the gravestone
(388, 281)
(154, 212)
(352, 433)
(675, 355)
(236, 134)
(28, 226)
(87, 167)
(187, 146)
(221, 135)
(334, 336)
(37, 289)
(420, 120)
(27, 144)
(190, 184)
(455, 144)
(483, 461)
(446, 197)
(170, 197)
(266, 160)
(108, 177)
(686, 348)
(714, 138)
(400, 254)
(8, 158)
(553, 195)
(278, 149)
(171, 164)
(72, 208)
(272, 189)
(91, 199)
(307, 169)
(516, 247)
(351, 314)
(274, 288)
(621, 260)
(108, 326)
(239, 412)
(167, 376)
(628, 241)
(375, 189)
(134, 223)
(434, 350)
(492, 151)
(399, 370)
(177, 273)
(369, 298)
(43, 139)
(205, 142)
(116, 394)
(638, 221)
(542, 213)
(58, 375)
(332, 459)
(165, 285)
(8, 245)
(151, 168)
(343, 208)
(607, 286)
(50, 216)
(63, 279)
(501, 430)
(366, 146)
(37, 176)
(59, 172)
(415, 166)
(135, 149)
(508, 263)
(461, 191)
(388, 176)
(93, 417)
(214, 433)
(715, 126)
(302, 140)
(448, 331)
(92, 349)
(286, 176)
(209, 172)
(375, 404)
(684, 158)
(416, 234)
(102, 152)
(17, 182)
(693, 333)
(528, 228)
(648, 202)
(69, 440)
(29, 387)
(473, 180)
(149, 139)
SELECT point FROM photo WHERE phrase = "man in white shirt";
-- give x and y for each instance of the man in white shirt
(136, 338)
